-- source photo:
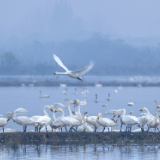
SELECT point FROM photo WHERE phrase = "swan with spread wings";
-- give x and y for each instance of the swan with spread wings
(72, 74)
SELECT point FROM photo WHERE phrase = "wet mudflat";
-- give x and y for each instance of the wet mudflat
(115, 138)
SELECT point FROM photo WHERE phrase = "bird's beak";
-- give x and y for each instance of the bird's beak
(141, 110)
(55, 110)
(98, 117)
(55, 72)
(114, 115)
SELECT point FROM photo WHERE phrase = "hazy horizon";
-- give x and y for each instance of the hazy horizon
(121, 37)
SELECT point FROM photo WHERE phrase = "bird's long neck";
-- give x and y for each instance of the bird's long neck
(75, 109)
(69, 109)
(147, 111)
(44, 111)
(54, 117)
(61, 73)
(8, 115)
(13, 116)
(123, 112)
(62, 113)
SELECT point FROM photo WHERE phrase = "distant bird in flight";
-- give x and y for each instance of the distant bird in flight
(73, 74)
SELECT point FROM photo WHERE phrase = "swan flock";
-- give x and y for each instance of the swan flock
(81, 122)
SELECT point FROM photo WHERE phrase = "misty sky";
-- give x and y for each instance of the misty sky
(65, 19)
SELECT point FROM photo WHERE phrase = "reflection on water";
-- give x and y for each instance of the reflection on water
(85, 151)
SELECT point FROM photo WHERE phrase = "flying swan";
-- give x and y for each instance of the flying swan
(72, 74)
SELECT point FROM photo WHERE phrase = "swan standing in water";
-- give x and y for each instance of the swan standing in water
(72, 74)
(75, 92)
(43, 96)
(105, 122)
(96, 100)
(4, 121)
(83, 102)
(130, 103)
(109, 98)
(23, 120)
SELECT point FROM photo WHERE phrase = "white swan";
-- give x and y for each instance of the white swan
(127, 120)
(96, 100)
(105, 122)
(65, 91)
(143, 119)
(56, 122)
(44, 120)
(4, 121)
(130, 103)
(23, 120)
(75, 91)
(92, 120)
(98, 84)
(83, 102)
(43, 96)
(69, 121)
(78, 115)
(153, 122)
(85, 127)
(63, 85)
(106, 108)
(72, 74)
(109, 97)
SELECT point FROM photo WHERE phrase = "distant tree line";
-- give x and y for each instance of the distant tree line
(111, 57)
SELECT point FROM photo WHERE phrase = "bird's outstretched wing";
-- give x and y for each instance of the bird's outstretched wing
(59, 62)
(85, 69)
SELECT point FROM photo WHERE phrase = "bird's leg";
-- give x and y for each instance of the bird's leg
(74, 129)
(35, 128)
(46, 129)
(25, 128)
(142, 129)
(95, 129)
(70, 129)
(66, 129)
(108, 130)
(3, 129)
(148, 129)
(103, 129)
(121, 128)
(61, 129)
(158, 129)
(52, 129)
(155, 130)
(126, 128)
(84, 130)
(39, 129)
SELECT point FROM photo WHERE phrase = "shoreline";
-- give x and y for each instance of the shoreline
(58, 138)
(78, 84)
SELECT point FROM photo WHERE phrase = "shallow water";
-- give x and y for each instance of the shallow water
(85, 152)
(28, 98)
